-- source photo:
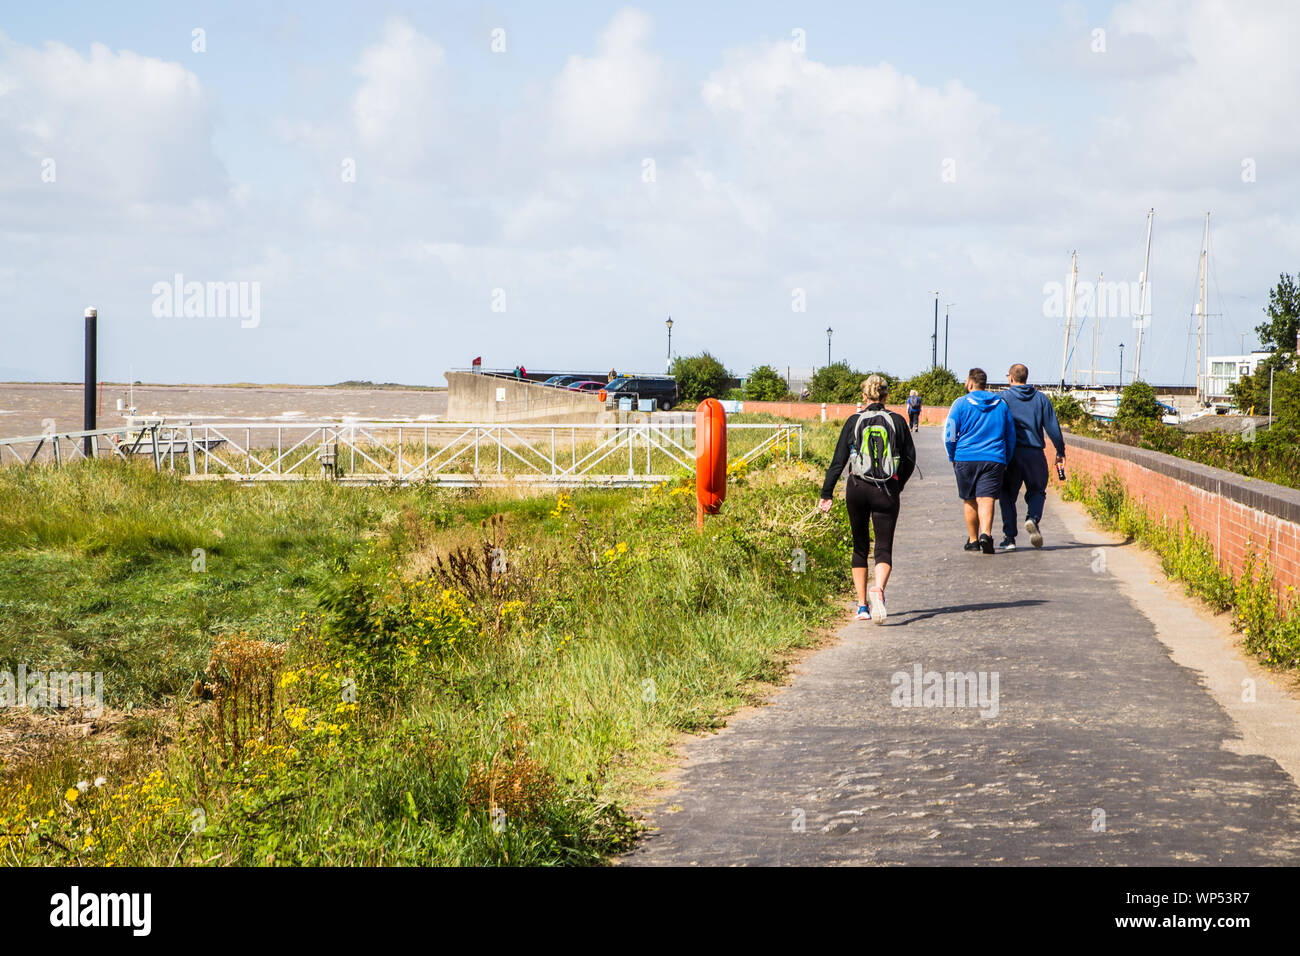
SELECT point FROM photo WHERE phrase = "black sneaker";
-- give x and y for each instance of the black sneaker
(971, 546)
(986, 543)
(1007, 544)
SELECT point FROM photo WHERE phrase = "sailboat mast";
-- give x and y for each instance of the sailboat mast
(1142, 299)
(1096, 327)
(1069, 315)
(1200, 319)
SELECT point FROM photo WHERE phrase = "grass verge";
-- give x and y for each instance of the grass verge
(390, 676)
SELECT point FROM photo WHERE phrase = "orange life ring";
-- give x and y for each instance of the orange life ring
(710, 456)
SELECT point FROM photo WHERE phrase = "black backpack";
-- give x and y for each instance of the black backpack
(874, 454)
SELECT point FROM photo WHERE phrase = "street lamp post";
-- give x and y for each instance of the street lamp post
(1121, 366)
(669, 323)
(934, 339)
(829, 330)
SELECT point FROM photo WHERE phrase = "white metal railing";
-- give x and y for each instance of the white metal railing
(445, 453)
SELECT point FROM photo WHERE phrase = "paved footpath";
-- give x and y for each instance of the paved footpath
(1093, 717)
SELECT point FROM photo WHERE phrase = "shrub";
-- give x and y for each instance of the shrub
(1068, 408)
(836, 383)
(1137, 406)
(765, 384)
(699, 377)
(936, 386)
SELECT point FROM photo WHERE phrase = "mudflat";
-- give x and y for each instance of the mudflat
(24, 407)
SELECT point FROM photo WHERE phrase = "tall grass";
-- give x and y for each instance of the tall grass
(99, 571)
(468, 678)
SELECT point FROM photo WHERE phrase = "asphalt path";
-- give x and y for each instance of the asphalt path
(1097, 748)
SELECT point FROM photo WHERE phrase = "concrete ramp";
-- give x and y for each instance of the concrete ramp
(475, 397)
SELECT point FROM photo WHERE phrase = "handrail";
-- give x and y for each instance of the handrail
(386, 451)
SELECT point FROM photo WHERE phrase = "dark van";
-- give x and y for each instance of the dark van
(662, 388)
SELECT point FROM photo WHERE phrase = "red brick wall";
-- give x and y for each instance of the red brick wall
(1236, 515)
(1232, 527)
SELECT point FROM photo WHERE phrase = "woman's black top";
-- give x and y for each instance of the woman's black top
(906, 452)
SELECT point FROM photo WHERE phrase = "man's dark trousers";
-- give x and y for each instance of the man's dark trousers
(1028, 466)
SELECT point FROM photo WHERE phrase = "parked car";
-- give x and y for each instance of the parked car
(563, 381)
(661, 388)
(587, 386)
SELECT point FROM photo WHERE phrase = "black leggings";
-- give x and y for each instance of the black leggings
(869, 504)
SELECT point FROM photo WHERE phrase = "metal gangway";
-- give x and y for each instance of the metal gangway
(452, 454)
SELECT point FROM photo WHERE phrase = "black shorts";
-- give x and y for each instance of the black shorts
(869, 505)
(978, 479)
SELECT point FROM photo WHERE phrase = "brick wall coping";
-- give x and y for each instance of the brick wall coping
(1254, 493)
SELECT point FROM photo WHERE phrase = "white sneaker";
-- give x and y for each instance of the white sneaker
(1035, 536)
(864, 613)
(876, 598)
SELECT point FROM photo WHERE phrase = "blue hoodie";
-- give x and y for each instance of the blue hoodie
(980, 428)
(1034, 413)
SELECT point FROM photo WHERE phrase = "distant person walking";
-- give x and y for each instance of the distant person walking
(877, 449)
(1033, 414)
(914, 410)
(612, 375)
(980, 436)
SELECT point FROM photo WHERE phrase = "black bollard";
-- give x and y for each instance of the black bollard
(88, 443)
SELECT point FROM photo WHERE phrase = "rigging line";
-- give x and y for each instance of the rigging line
(1224, 318)
(1077, 335)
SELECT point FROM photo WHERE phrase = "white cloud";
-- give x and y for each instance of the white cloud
(399, 109)
(1232, 98)
(618, 99)
(120, 128)
(773, 170)
(844, 142)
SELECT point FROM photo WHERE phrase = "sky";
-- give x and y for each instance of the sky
(319, 192)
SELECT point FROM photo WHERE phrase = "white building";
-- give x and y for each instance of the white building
(1224, 370)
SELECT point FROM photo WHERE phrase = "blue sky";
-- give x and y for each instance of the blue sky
(849, 158)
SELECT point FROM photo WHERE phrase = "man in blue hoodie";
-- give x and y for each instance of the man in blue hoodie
(1034, 414)
(981, 438)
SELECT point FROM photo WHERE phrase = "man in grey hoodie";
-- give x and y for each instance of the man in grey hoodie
(1033, 413)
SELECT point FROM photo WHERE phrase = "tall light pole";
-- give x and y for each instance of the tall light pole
(1121, 366)
(934, 339)
(829, 330)
(669, 323)
(945, 332)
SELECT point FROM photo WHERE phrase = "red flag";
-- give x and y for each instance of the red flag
(477, 361)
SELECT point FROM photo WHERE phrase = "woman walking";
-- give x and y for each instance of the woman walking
(877, 452)
(914, 410)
